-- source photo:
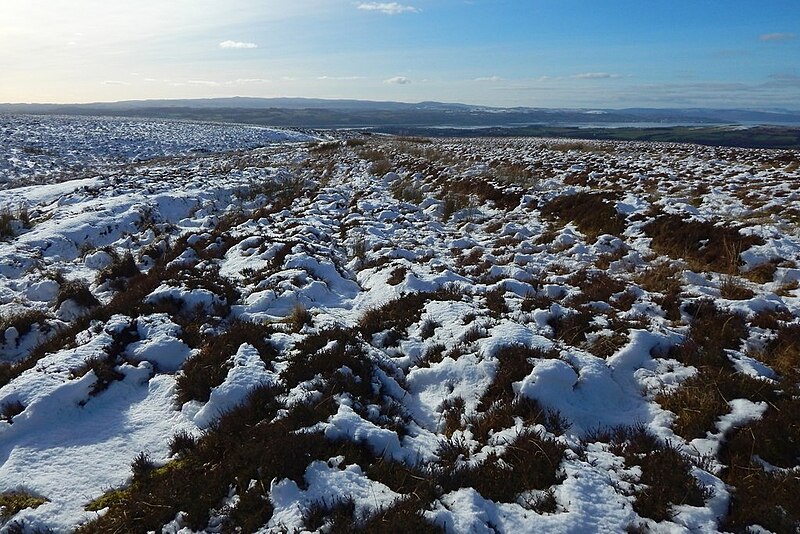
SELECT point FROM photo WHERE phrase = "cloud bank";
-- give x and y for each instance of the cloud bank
(398, 80)
(595, 76)
(776, 37)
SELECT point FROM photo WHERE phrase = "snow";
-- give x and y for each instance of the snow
(160, 344)
(71, 453)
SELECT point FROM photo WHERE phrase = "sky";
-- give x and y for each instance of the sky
(536, 53)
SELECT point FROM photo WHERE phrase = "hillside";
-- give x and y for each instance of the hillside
(282, 331)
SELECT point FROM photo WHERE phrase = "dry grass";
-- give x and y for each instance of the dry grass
(496, 302)
(712, 331)
(122, 267)
(583, 146)
(299, 318)
(572, 327)
(401, 312)
(77, 291)
(595, 286)
(763, 273)
(783, 352)
(513, 365)
(23, 321)
(733, 288)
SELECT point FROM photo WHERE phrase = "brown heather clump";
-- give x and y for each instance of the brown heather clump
(712, 331)
(121, 268)
(496, 302)
(767, 498)
(591, 212)
(514, 364)
(573, 326)
(664, 278)
(763, 273)
(701, 400)
(666, 476)
(595, 286)
(23, 321)
(783, 353)
(77, 291)
(485, 191)
(704, 245)
(402, 312)
(529, 462)
(209, 367)
(299, 318)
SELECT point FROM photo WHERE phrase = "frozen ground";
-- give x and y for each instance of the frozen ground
(381, 333)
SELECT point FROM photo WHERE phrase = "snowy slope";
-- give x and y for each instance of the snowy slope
(435, 309)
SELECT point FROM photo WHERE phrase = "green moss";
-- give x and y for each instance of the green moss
(13, 502)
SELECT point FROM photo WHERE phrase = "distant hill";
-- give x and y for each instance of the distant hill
(322, 113)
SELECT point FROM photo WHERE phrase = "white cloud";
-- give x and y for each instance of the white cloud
(388, 8)
(243, 81)
(340, 78)
(237, 44)
(595, 76)
(489, 79)
(115, 82)
(777, 37)
(398, 80)
(206, 83)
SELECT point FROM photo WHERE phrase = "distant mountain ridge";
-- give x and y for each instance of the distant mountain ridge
(491, 115)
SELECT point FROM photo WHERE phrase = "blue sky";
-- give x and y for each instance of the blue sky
(540, 53)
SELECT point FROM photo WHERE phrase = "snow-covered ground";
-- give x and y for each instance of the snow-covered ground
(38, 149)
(454, 334)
